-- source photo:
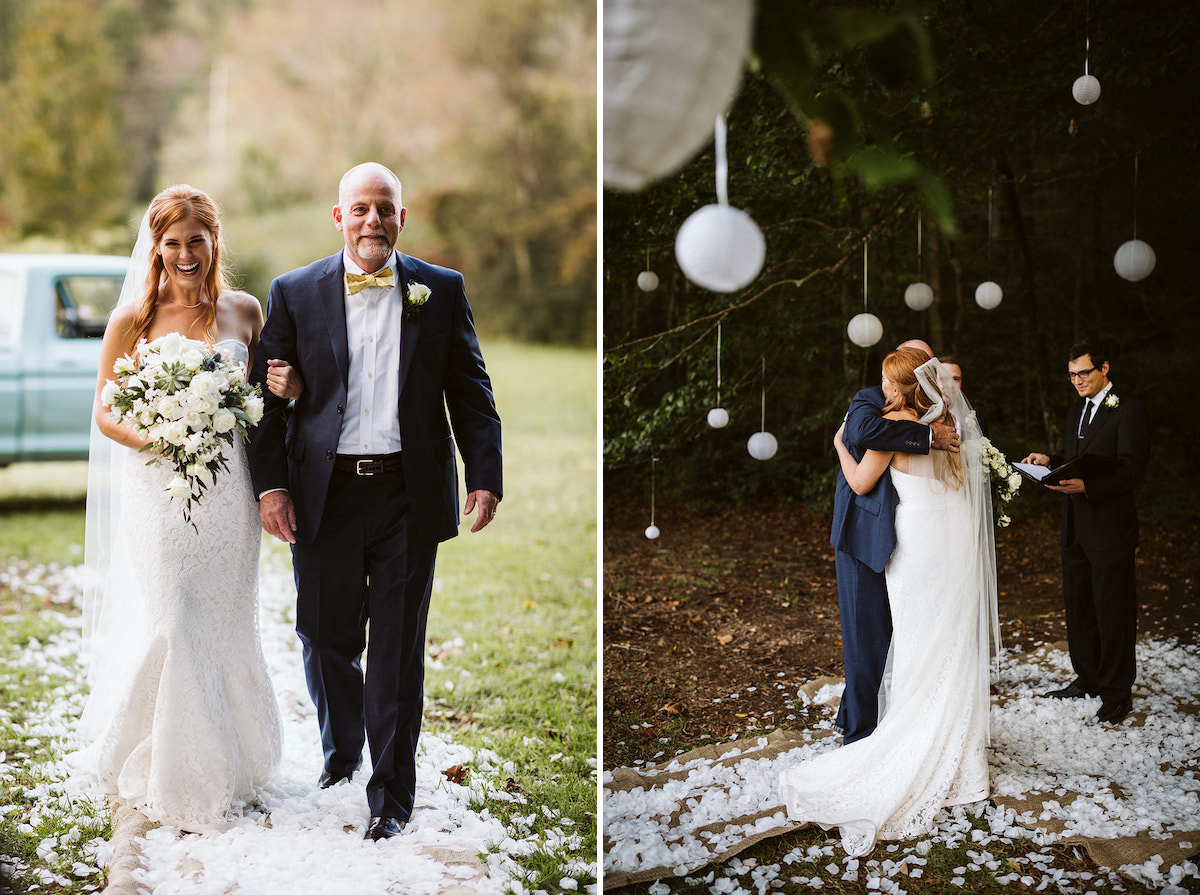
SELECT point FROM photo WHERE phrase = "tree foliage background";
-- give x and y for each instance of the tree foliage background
(1039, 194)
(486, 110)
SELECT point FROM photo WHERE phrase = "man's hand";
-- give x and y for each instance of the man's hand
(278, 516)
(1037, 460)
(945, 437)
(284, 380)
(487, 502)
(1069, 486)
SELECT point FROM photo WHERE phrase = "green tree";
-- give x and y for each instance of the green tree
(60, 152)
(525, 220)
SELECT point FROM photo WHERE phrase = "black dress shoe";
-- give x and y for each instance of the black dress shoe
(384, 828)
(1070, 691)
(1114, 712)
(327, 779)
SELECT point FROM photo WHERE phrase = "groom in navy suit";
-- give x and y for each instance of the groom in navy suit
(864, 535)
(360, 475)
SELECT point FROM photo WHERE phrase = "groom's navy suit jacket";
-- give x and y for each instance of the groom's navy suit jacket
(864, 525)
(864, 533)
(441, 369)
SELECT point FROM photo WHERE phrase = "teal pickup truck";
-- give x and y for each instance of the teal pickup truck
(52, 314)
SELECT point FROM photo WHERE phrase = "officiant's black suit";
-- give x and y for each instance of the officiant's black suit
(382, 528)
(1099, 538)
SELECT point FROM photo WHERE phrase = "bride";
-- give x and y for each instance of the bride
(181, 721)
(928, 751)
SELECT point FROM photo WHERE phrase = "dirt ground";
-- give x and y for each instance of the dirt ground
(744, 601)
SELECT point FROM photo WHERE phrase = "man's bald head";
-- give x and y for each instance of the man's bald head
(917, 343)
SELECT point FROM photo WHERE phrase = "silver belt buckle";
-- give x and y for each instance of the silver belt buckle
(358, 467)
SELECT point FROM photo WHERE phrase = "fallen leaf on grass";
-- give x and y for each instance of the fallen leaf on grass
(672, 708)
(724, 639)
(511, 785)
(456, 774)
(563, 641)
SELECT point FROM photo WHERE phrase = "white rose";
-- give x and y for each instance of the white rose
(175, 432)
(205, 384)
(192, 359)
(196, 421)
(1014, 481)
(254, 408)
(169, 347)
(170, 408)
(108, 394)
(236, 375)
(224, 420)
(179, 487)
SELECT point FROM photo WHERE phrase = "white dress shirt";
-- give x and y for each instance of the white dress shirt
(374, 317)
(1089, 414)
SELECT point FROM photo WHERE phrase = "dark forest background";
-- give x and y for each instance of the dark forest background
(992, 117)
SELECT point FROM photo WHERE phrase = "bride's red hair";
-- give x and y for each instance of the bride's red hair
(169, 207)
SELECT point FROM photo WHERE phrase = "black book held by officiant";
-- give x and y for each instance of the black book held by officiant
(1085, 466)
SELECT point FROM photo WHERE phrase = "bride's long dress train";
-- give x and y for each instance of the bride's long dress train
(198, 731)
(928, 751)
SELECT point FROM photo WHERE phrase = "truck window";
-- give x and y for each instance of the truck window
(8, 305)
(84, 303)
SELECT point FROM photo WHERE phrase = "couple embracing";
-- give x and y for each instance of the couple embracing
(916, 577)
(371, 372)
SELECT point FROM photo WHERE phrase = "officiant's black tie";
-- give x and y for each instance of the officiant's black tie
(1085, 419)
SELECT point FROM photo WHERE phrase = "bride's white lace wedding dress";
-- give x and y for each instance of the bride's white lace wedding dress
(929, 748)
(196, 730)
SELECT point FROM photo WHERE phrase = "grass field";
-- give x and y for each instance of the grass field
(512, 627)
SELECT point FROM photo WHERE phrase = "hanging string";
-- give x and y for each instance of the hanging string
(763, 424)
(1087, 40)
(653, 460)
(647, 257)
(1135, 191)
(865, 241)
(990, 231)
(918, 244)
(718, 365)
(722, 163)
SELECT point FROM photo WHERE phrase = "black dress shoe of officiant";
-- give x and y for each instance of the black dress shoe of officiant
(1114, 712)
(384, 828)
(1070, 691)
(327, 779)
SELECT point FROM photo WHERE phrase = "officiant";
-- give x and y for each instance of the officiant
(1100, 533)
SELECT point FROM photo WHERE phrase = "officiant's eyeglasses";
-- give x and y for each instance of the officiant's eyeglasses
(1081, 375)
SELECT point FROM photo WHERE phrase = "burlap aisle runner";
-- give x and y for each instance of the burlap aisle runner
(129, 828)
(728, 754)
(1048, 812)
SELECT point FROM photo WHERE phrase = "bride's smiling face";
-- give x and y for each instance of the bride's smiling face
(187, 253)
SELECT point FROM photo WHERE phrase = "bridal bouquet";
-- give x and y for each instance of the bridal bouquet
(187, 400)
(1005, 481)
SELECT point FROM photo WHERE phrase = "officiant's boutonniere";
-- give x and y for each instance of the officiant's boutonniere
(1112, 402)
(414, 301)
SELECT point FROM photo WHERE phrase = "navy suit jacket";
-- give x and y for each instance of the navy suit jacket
(864, 526)
(441, 370)
(1106, 517)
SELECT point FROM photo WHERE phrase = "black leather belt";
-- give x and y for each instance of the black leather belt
(368, 465)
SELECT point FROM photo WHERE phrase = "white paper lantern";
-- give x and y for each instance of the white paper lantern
(1086, 90)
(670, 68)
(719, 247)
(864, 330)
(718, 418)
(1134, 260)
(918, 296)
(647, 281)
(652, 532)
(762, 445)
(988, 295)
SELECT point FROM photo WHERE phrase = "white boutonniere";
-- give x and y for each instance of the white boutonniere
(414, 300)
(1112, 402)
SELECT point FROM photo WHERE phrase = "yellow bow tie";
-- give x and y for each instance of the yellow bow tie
(356, 283)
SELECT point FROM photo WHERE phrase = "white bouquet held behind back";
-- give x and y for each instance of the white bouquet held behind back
(1006, 481)
(187, 399)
